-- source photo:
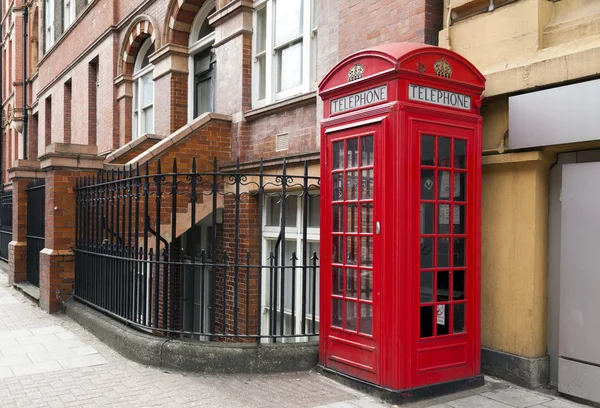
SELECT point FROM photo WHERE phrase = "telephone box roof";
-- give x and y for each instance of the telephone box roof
(406, 58)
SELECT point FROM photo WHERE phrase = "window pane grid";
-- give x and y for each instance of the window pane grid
(355, 239)
(443, 236)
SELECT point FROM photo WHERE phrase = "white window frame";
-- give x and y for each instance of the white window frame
(136, 86)
(68, 13)
(309, 35)
(271, 233)
(48, 24)
(195, 47)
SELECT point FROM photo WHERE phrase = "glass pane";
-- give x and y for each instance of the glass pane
(426, 287)
(136, 96)
(366, 284)
(458, 285)
(291, 211)
(427, 217)
(350, 315)
(443, 252)
(366, 318)
(290, 67)
(338, 155)
(460, 154)
(459, 221)
(351, 218)
(352, 153)
(338, 218)
(352, 185)
(427, 146)
(289, 19)
(460, 186)
(148, 120)
(426, 252)
(206, 28)
(338, 187)
(351, 283)
(135, 132)
(427, 184)
(442, 319)
(204, 96)
(366, 184)
(351, 250)
(459, 317)
(261, 30)
(426, 321)
(262, 76)
(366, 218)
(367, 151)
(147, 90)
(443, 286)
(314, 211)
(273, 211)
(443, 219)
(444, 152)
(202, 62)
(444, 185)
(338, 282)
(366, 251)
(336, 312)
(459, 252)
(337, 250)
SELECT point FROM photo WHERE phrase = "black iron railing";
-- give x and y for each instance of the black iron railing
(201, 254)
(5, 222)
(36, 227)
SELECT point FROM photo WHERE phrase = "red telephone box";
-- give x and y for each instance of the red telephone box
(400, 224)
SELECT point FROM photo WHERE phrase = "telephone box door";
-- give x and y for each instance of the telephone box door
(446, 324)
(351, 259)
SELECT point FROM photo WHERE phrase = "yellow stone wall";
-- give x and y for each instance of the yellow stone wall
(519, 47)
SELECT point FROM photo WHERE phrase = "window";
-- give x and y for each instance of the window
(284, 49)
(202, 63)
(49, 24)
(143, 91)
(69, 13)
(293, 243)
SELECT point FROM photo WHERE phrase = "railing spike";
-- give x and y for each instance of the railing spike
(193, 165)
(174, 165)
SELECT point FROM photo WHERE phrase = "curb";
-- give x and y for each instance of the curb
(206, 357)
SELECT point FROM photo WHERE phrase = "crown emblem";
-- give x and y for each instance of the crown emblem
(356, 72)
(442, 68)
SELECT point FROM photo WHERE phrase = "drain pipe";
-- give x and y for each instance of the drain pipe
(25, 115)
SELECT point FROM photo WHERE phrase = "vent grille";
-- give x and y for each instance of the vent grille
(282, 141)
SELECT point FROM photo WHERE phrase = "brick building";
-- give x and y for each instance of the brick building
(123, 83)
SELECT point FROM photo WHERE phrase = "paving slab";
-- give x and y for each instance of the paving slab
(516, 397)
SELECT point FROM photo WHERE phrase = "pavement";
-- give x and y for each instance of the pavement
(51, 361)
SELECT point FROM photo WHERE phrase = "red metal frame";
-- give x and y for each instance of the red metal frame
(396, 356)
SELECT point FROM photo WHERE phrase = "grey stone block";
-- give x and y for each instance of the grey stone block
(523, 371)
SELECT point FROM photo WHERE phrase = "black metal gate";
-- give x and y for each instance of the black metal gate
(5, 223)
(36, 200)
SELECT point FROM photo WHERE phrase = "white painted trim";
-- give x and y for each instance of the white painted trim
(196, 47)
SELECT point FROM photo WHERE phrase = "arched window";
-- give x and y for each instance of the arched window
(202, 63)
(143, 91)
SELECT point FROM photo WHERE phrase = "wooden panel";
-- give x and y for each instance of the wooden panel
(353, 354)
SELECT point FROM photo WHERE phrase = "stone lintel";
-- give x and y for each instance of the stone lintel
(171, 58)
(518, 158)
(232, 20)
(51, 161)
(25, 169)
(124, 84)
(71, 148)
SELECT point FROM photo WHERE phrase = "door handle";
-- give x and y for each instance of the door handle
(377, 228)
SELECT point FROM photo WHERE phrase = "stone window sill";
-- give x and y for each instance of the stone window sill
(282, 106)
